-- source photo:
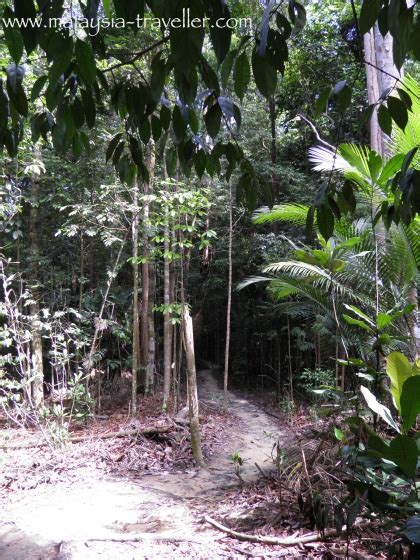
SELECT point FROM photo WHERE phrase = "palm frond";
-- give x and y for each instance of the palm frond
(405, 140)
(293, 213)
(297, 269)
(251, 280)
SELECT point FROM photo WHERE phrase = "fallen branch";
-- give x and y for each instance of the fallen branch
(139, 537)
(287, 541)
(106, 435)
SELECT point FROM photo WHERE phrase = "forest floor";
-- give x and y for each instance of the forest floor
(135, 498)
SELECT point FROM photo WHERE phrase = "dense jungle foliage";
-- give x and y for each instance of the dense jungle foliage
(257, 183)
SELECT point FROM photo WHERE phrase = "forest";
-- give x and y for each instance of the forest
(209, 274)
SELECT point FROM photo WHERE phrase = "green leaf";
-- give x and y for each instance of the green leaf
(37, 87)
(25, 10)
(4, 107)
(112, 145)
(118, 153)
(360, 313)
(13, 37)
(398, 369)
(321, 101)
(165, 117)
(379, 408)
(156, 128)
(209, 76)
(398, 112)
(218, 13)
(297, 14)
(264, 73)
(193, 120)
(369, 13)
(77, 112)
(135, 150)
(85, 61)
(171, 159)
(403, 452)
(15, 89)
(325, 221)
(200, 162)
(283, 25)
(338, 434)
(227, 67)
(357, 323)
(383, 320)
(145, 130)
(410, 401)
(89, 107)
(60, 64)
(241, 75)
(212, 119)
(178, 123)
(385, 120)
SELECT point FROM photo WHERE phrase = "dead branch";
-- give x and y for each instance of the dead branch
(287, 541)
(139, 537)
(106, 435)
(315, 131)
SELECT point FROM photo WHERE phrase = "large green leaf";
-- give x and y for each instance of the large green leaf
(264, 73)
(13, 37)
(403, 452)
(241, 75)
(379, 408)
(369, 14)
(410, 401)
(85, 61)
(399, 370)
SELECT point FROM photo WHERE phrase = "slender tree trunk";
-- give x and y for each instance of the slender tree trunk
(37, 388)
(229, 302)
(145, 272)
(150, 372)
(167, 325)
(188, 340)
(273, 115)
(289, 349)
(136, 319)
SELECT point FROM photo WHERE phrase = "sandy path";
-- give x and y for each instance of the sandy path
(58, 521)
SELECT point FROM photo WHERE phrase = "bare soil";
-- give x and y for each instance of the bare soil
(83, 508)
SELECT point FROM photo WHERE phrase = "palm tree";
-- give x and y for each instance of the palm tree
(362, 265)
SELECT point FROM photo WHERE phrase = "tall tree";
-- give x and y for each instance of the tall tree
(381, 76)
(33, 278)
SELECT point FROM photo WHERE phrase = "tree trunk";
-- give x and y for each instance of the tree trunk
(37, 385)
(381, 74)
(145, 269)
(273, 115)
(150, 371)
(289, 349)
(167, 325)
(229, 302)
(188, 341)
(136, 325)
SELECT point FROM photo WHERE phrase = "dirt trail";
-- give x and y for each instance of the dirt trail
(61, 521)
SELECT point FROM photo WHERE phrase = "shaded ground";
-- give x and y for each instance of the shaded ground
(155, 515)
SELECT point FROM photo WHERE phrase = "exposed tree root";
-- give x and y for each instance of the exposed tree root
(106, 435)
(288, 541)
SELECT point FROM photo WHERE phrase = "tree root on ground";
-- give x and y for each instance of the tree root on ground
(287, 541)
(106, 435)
